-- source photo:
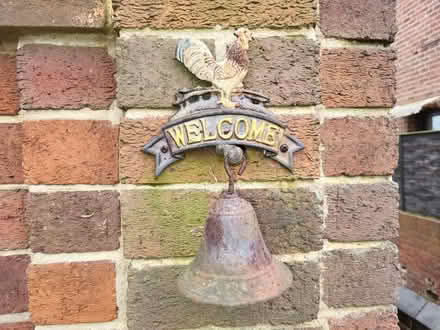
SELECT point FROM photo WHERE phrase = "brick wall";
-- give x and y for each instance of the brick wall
(417, 45)
(90, 239)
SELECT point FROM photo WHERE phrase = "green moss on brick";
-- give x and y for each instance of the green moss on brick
(163, 223)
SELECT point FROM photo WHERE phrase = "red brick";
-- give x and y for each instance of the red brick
(70, 152)
(8, 85)
(357, 78)
(11, 153)
(13, 290)
(204, 165)
(177, 14)
(55, 77)
(375, 320)
(13, 229)
(420, 269)
(359, 146)
(72, 293)
(358, 19)
(17, 326)
(419, 253)
(417, 47)
(361, 277)
(74, 221)
(82, 14)
(362, 212)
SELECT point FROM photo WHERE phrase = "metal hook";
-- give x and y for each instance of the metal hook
(234, 155)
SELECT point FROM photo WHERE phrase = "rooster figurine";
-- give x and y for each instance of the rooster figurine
(225, 76)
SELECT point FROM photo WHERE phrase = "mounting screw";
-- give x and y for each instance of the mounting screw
(284, 148)
(164, 149)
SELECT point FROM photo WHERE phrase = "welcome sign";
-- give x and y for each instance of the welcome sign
(211, 127)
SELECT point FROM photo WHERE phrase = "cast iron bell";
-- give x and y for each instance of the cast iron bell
(233, 265)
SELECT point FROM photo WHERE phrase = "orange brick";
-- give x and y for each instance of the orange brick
(357, 78)
(70, 152)
(8, 86)
(178, 14)
(72, 292)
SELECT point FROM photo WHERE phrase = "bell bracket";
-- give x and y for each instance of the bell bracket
(233, 266)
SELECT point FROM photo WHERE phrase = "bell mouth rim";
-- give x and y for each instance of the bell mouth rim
(227, 291)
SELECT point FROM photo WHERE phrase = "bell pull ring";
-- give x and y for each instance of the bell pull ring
(233, 265)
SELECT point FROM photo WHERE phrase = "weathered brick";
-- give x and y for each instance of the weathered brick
(154, 289)
(13, 290)
(8, 85)
(70, 151)
(82, 14)
(73, 221)
(176, 14)
(357, 78)
(359, 146)
(362, 212)
(58, 77)
(291, 77)
(72, 292)
(148, 73)
(11, 153)
(360, 277)
(358, 19)
(374, 320)
(17, 326)
(204, 165)
(290, 219)
(13, 229)
(166, 223)
(286, 70)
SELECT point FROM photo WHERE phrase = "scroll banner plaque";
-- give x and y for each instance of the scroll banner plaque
(211, 127)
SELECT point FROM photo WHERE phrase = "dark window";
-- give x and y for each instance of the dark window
(419, 173)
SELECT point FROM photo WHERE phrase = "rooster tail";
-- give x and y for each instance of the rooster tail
(197, 58)
(180, 49)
